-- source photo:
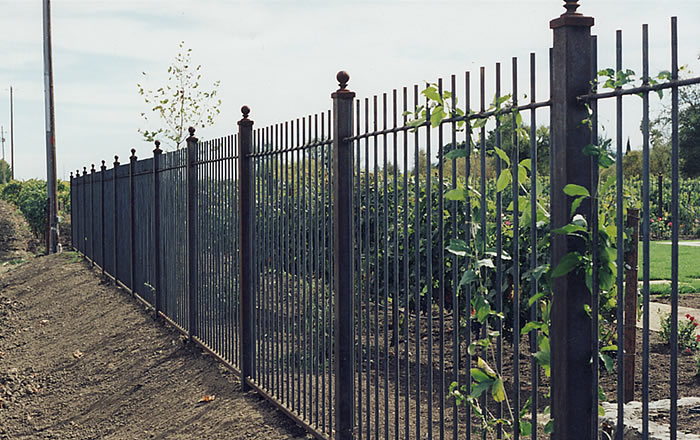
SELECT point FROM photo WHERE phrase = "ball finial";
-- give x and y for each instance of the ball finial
(92, 169)
(343, 79)
(116, 159)
(103, 163)
(133, 151)
(571, 7)
(191, 130)
(157, 144)
(245, 110)
(84, 171)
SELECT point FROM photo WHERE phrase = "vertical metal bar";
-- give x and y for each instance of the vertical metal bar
(441, 273)
(114, 214)
(343, 255)
(406, 278)
(468, 228)
(498, 288)
(620, 249)
(645, 234)
(84, 237)
(72, 210)
(288, 329)
(674, 230)
(396, 291)
(455, 263)
(417, 291)
(482, 205)
(132, 223)
(515, 163)
(385, 269)
(316, 264)
(570, 332)
(375, 140)
(534, 369)
(304, 269)
(361, 290)
(245, 242)
(368, 276)
(429, 268)
(595, 290)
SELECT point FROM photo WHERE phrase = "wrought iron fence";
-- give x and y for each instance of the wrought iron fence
(388, 269)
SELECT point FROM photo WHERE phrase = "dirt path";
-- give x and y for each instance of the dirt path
(15, 238)
(80, 360)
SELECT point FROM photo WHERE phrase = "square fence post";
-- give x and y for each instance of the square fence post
(247, 233)
(572, 374)
(115, 216)
(92, 215)
(103, 170)
(72, 211)
(343, 270)
(84, 234)
(157, 152)
(192, 232)
(132, 223)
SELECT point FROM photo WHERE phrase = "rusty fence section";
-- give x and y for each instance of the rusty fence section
(384, 269)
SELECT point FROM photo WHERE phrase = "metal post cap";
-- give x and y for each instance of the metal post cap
(93, 168)
(133, 154)
(343, 77)
(245, 110)
(571, 7)
(191, 130)
(157, 149)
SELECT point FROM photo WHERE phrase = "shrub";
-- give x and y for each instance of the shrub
(687, 340)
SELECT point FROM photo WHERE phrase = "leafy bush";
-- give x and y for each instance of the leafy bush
(687, 340)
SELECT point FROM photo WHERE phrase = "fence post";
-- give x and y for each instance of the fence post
(72, 211)
(103, 170)
(85, 213)
(631, 289)
(78, 211)
(114, 214)
(156, 229)
(343, 271)
(246, 231)
(192, 232)
(92, 215)
(571, 353)
(132, 223)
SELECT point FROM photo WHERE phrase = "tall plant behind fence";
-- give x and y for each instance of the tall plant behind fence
(394, 268)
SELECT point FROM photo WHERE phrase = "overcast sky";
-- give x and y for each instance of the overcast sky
(280, 57)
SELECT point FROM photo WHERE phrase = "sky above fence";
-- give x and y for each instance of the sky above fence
(280, 58)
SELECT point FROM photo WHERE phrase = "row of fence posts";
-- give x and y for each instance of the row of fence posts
(343, 239)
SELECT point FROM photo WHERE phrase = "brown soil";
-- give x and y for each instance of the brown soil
(79, 359)
(16, 242)
(691, 300)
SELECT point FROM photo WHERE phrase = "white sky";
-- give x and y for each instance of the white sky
(280, 58)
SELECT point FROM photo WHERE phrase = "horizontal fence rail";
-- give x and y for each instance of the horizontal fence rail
(444, 261)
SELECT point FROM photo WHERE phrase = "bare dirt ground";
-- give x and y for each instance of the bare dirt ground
(79, 359)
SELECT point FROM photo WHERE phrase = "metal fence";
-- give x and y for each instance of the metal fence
(357, 267)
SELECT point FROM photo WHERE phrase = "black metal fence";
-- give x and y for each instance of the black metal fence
(387, 269)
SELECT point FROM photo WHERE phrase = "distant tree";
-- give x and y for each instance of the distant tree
(180, 103)
(689, 137)
(5, 172)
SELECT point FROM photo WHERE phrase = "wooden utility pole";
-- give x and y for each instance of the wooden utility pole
(50, 134)
(12, 136)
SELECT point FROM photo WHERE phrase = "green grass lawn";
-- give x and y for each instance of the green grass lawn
(660, 267)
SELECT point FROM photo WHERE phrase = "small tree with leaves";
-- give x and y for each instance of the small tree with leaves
(181, 103)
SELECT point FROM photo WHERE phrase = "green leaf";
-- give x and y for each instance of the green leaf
(432, 94)
(522, 174)
(467, 278)
(535, 298)
(530, 326)
(549, 427)
(502, 154)
(567, 264)
(456, 194)
(486, 262)
(576, 190)
(601, 411)
(458, 247)
(479, 388)
(607, 361)
(479, 376)
(437, 115)
(576, 203)
(525, 428)
(527, 163)
(497, 391)
(503, 180)
(485, 367)
(569, 229)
